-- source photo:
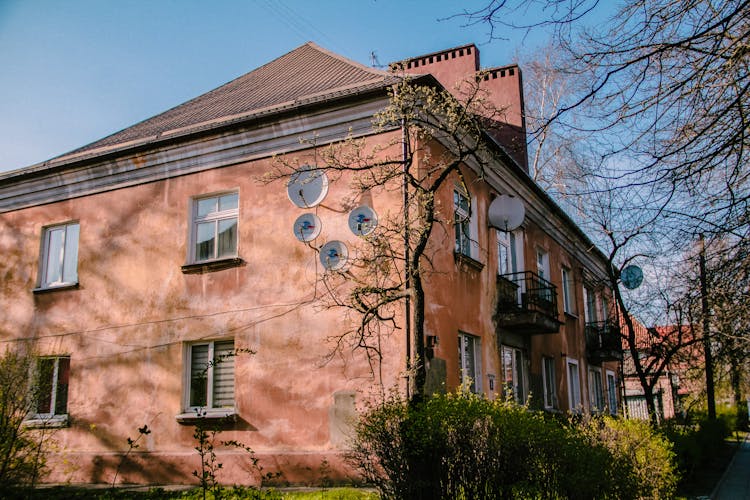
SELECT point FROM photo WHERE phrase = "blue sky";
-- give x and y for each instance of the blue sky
(74, 71)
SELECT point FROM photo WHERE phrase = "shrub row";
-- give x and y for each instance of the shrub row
(461, 446)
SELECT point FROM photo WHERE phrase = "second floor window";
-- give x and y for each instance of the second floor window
(215, 227)
(506, 253)
(464, 219)
(59, 265)
(567, 290)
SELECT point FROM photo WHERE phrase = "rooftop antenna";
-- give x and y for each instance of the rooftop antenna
(374, 61)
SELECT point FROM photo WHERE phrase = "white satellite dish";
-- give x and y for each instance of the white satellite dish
(307, 227)
(506, 212)
(307, 187)
(363, 220)
(333, 255)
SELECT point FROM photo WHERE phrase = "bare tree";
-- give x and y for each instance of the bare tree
(439, 137)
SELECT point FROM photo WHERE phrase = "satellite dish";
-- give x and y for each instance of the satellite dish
(506, 212)
(363, 220)
(307, 187)
(631, 277)
(307, 227)
(333, 255)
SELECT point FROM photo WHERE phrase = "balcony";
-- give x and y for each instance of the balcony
(526, 303)
(603, 341)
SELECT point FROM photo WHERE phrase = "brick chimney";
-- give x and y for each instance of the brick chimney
(503, 85)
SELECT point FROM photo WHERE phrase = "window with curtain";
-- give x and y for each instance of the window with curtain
(59, 265)
(211, 375)
(51, 397)
(470, 360)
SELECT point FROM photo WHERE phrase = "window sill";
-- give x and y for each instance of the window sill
(465, 259)
(53, 422)
(214, 415)
(212, 265)
(54, 288)
(570, 315)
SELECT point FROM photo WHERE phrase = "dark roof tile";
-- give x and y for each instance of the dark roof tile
(307, 71)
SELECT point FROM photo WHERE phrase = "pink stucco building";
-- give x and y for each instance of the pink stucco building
(132, 262)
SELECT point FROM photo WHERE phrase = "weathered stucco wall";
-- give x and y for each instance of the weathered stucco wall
(126, 326)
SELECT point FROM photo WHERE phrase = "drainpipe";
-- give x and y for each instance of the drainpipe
(407, 256)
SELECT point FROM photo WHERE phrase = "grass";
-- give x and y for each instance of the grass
(73, 492)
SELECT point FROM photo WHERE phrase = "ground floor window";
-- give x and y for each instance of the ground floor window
(574, 386)
(612, 392)
(514, 374)
(596, 395)
(550, 386)
(470, 361)
(210, 374)
(50, 392)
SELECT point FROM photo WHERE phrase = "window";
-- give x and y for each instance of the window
(514, 376)
(590, 297)
(211, 375)
(548, 376)
(214, 230)
(506, 253)
(59, 264)
(596, 395)
(470, 359)
(465, 223)
(612, 392)
(567, 289)
(51, 395)
(574, 386)
(542, 264)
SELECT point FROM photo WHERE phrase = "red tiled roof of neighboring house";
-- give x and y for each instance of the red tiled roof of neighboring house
(307, 74)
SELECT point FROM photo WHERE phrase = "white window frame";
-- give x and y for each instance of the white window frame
(469, 380)
(596, 390)
(574, 385)
(66, 260)
(611, 392)
(590, 314)
(542, 263)
(465, 222)
(549, 382)
(567, 290)
(52, 418)
(519, 378)
(210, 410)
(215, 217)
(506, 252)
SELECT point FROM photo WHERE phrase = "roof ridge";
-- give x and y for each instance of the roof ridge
(346, 60)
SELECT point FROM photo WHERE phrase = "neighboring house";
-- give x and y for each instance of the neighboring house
(133, 262)
(675, 384)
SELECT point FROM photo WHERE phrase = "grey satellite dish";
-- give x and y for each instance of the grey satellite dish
(307, 227)
(631, 277)
(363, 220)
(506, 212)
(307, 187)
(333, 255)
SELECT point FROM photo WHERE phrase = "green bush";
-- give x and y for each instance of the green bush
(697, 444)
(462, 446)
(22, 450)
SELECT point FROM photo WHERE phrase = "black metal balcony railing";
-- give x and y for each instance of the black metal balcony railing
(603, 341)
(527, 303)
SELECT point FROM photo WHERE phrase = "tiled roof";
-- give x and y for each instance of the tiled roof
(306, 74)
